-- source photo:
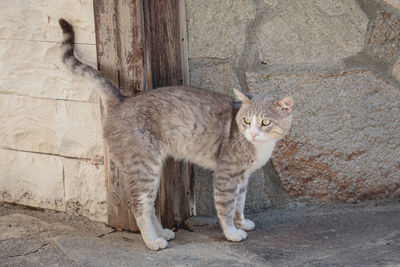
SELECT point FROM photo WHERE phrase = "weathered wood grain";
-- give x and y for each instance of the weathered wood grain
(119, 39)
(163, 37)
(120, 57)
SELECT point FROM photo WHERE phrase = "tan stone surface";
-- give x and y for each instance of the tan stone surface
(53, 182)
(271, 3)
(394, 3)
(220, 78)
(17, 222)
(396, 70)
(59, 127)
(79, 132)
(85, 189)
(384, 39)
(28, 123)
(31, 179)
(216, 28)
(19, 225)
(34, 115)
(35, 69)
(311, 31)
(38, 19)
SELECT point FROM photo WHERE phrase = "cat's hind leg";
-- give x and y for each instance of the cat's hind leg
(141, 183)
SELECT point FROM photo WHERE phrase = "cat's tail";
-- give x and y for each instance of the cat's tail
(108, 93)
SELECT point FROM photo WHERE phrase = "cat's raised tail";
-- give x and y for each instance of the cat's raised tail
(108, 93)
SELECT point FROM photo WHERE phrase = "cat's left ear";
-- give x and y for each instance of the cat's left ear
(242, 97)
(286, 103)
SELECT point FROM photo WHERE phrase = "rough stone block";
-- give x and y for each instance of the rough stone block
(394, 3)
(35, 69)
(60, 127)
(218, 28)
(396, 70)
(38, 19)
(345, 139)
(204, 193)
(79, 132)
(256, 198)
(384, 39)
(271, 3)
(85, 189)
(217, 77)
(312, 31)
(28, 123)
(31, 179)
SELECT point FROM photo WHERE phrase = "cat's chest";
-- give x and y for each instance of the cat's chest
(262, 154)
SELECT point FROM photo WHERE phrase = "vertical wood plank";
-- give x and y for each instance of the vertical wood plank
(163, 41)
(140, 44)
(184, 42)
(119, 42)
(120, 57)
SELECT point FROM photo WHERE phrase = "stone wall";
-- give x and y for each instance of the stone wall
(51, 147)
(339, 60)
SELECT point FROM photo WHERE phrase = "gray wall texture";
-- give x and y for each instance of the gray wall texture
(339, 60)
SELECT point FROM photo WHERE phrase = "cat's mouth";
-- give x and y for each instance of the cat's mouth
(261, 140)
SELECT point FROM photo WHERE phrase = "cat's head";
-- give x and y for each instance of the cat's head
(263, 118)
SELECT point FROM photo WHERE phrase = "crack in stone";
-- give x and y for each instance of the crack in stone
(112, 231)
(3, 92)
(40, 41)
(27, 253)
(65, 255)
(98, 161)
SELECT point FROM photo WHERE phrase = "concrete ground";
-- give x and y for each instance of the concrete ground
(366, 234)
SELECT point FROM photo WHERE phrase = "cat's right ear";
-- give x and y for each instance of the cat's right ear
(240, 96)
(286, 104)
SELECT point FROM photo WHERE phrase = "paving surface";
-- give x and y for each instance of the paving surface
(366, 234)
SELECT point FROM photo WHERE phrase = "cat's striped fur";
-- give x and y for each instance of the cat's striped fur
(206, 128)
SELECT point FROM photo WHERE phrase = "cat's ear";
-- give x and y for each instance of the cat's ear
(240, 96)
(286, 103)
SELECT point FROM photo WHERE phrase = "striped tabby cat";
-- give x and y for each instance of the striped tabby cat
(231, 137)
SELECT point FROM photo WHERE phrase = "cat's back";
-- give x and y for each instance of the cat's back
(167, 102)
(183, 95)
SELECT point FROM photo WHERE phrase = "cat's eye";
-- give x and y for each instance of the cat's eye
(246, 120)
(265, 122)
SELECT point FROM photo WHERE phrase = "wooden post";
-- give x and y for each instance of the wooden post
(165, 44)
(120, 57)
(140, 44)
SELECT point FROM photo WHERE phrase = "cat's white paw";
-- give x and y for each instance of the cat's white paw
(235, 235)
(157, 244)
(246, 225)
(167, 234)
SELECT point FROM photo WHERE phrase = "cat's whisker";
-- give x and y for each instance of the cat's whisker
(237, 140)
(243, 144)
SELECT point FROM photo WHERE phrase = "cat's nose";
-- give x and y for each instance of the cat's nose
(253, 135)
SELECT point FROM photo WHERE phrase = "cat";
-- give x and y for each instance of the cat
(232, 137)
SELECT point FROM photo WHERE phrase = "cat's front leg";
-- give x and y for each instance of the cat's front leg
(240, 221)
(226, 191)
